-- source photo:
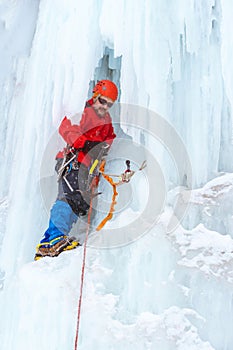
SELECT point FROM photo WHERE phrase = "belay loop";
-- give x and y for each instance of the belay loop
(123, 178)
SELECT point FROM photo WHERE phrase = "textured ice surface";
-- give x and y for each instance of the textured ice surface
(164, 291)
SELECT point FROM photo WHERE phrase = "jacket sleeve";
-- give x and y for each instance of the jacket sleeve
(72, 134)
(86, 127)
(111, 135)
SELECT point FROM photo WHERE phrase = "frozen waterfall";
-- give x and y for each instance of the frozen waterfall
(170, 285)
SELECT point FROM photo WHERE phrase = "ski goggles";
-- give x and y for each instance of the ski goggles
(103, 102)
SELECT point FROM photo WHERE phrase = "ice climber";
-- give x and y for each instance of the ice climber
(86, 142)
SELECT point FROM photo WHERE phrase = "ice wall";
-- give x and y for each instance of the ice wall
(179, 74)
(164, 288)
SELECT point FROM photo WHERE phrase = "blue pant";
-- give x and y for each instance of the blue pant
(61, 220)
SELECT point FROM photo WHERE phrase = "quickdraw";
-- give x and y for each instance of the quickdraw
(122, 179)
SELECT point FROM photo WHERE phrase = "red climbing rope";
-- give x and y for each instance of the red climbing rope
(82, 274)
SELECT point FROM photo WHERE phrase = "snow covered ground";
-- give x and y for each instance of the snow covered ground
(169, 286)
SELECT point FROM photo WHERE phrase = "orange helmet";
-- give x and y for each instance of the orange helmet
(106, 88)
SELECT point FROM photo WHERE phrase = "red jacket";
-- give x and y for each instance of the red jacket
(91, 128)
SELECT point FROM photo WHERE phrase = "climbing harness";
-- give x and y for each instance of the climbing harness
(69, 155)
